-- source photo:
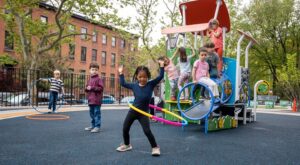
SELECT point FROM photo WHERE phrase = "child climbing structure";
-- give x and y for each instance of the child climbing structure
(221, 112)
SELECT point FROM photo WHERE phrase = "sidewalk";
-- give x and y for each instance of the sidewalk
(12, 112)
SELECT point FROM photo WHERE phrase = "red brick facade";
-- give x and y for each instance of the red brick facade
(108, 67)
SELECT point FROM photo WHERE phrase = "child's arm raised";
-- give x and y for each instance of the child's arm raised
(193, 53)
(174, 54)
(161, 74)
(122, 79)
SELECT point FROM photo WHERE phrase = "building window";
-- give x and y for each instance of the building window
(113, 41)
(44, 19)
(112, 80)
(82, 75)
(83, 53)
(72, 28)
(9, 41)
(103, 75)
(104, 39)
(83, 33)
(131, 47)
(94, 55)
(103, 78)
(103, 58)
(113, 59)
(71, 70)
(123, 44)
(71, 51)
(94, 39)
(122, 58)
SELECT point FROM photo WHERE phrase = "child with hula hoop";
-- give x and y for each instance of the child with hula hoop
(142, 89)
(56, 85)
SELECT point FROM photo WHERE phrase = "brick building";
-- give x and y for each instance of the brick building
(105, 47)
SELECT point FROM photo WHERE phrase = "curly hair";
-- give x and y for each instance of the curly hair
(138, 70)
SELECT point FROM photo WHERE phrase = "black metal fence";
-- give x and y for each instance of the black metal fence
(15, 82)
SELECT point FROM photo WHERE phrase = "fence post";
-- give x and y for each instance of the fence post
(72, 88)
(120, 93)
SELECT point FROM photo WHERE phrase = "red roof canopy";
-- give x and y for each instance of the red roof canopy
(184, 29)
(201, 11)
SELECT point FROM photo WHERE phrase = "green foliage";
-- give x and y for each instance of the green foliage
(6, 59)
(289, 79)
(275, 25)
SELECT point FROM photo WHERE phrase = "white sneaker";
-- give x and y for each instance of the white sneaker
(182, 97)
(95, 130)
(123, 148)
(88, 128)
(156, 151)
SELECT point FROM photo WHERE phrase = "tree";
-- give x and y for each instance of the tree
(290, 80)
(274, 24)
(145, 23)
(6, 60)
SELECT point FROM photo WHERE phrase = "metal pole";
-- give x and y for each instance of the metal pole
(255, 97)
(224, 39)
(169, 42)
(219, 3)
(238, 68)
(195, 38)
(247, 54)
(202, 39)
(183, 7)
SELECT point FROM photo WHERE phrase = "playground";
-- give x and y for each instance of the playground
(272, 139)
(202, 128)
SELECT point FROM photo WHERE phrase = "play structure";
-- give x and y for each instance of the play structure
(234, 83)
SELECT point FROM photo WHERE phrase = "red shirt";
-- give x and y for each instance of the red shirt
(218, 41)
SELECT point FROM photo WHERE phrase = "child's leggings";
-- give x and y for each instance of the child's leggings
(184, 78)
(220, 54)
(144, 121)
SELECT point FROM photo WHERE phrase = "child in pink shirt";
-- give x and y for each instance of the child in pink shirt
(200, 72)
(215, 35)
(172, 73)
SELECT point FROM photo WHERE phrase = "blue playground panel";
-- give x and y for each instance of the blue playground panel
(229, 68)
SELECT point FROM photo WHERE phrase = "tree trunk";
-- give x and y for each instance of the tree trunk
(31, 88)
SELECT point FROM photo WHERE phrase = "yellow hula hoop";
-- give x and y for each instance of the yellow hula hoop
(183, 123)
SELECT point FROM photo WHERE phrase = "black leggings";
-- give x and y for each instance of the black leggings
(144, 121)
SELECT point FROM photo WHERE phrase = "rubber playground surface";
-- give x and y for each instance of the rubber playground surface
(273, 139)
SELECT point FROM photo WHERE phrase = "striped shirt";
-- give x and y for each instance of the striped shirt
(55, 85)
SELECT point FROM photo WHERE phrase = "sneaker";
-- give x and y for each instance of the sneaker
(49, 111)
(181, 97)
(95, 130)
(88, 128)
(173, 98)
(155, 151)
(123, 148)
(54, 112)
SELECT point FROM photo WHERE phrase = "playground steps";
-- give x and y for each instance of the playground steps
(247, 116)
